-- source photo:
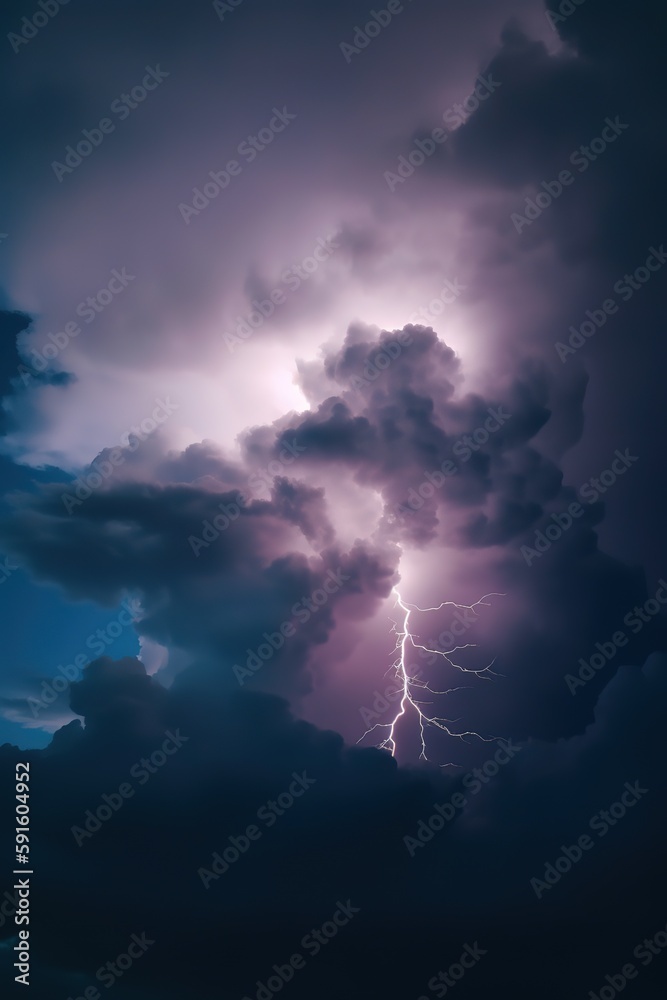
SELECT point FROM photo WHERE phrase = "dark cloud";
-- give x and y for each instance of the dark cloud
(225, 576)
(399, 419)
(18, 372)
(266, 570)
(214, 574)
(344, 838)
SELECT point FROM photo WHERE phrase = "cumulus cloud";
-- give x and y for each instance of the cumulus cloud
(341, 452)
(227, 577)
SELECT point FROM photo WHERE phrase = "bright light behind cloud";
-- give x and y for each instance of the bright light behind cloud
(384, 272)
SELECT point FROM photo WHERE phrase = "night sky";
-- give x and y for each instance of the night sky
(333, 562)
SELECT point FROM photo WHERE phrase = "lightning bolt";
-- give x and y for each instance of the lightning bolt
(411, 686)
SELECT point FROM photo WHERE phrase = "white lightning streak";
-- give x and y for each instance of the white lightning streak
(407, 683)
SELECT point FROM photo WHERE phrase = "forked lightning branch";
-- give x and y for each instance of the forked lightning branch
(414, 689)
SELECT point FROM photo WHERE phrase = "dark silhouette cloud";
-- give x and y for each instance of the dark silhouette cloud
(215, 805)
